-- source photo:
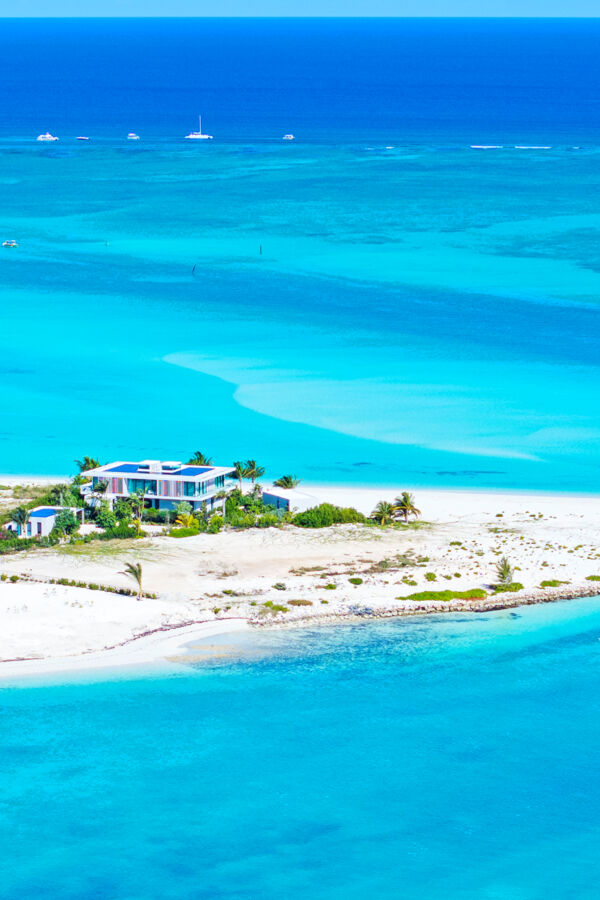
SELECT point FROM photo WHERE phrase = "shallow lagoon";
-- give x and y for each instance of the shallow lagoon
(441, 757)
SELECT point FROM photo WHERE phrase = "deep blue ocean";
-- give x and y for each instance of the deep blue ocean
(374, 302)
(449, 758)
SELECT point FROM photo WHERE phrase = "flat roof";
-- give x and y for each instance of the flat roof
(142, 469)
(44, 512)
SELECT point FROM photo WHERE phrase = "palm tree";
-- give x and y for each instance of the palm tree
(254, 470)
(186, 520)
(504, 571)
(241, 471)
(134, 571)
(88, 462)
(137, 507)
(21, 516)
(199, 459)
(405, 505)
(383, 512)
(287, 481)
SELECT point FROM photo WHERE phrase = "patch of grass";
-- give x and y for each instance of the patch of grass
(553, 582)
(330, 587)
(430, 576)
(355, 580)
(456, 543)
(275, 607)
(593, 578)
(510, 588)
(474, 594)
(300, 602)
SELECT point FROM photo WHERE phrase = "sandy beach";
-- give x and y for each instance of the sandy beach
(226, 580)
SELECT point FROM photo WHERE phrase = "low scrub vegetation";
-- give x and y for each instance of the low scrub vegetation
(511, 588)
(475, 594)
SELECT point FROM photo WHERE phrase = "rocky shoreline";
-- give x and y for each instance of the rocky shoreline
(356, 613)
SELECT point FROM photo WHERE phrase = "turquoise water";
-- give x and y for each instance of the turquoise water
(425, 311)
(421, 312)
(450, 757)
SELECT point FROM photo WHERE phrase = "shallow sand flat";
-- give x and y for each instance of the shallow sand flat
(233, 574)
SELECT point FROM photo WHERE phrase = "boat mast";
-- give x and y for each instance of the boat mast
(199, 124)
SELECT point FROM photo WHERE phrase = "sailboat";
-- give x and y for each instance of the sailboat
(197, 135)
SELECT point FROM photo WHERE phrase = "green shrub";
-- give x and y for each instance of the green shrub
(280, 586)
(14, 578)
(552, 583)
(327, 514)
(430, 576)
(241, 519)
(593, 578)
(512, 587)
(183, 532)
(267, 520)
(121, 532)
(215, 524)
(355, 580)
(474, 594)
(66, 522)
(105, 517)
(275, 607)
(330, 587)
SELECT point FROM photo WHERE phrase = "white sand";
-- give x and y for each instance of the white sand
(545, 536)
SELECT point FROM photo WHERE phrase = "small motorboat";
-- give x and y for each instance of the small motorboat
(132, 136)
(82, 137)
(288, 137)
(197, 135)
(9, 244)
(46, 137)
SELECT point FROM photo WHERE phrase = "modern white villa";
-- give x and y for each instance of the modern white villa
(163, 484)
(42, 520)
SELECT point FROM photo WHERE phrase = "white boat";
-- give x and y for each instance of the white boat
(197, 135)
(9, 244)
(288, 137)
(132, 136)
(82, 137)
(46, 137)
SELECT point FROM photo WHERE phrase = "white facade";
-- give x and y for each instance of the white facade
(42, 520)
(292, 499)
(163, 484)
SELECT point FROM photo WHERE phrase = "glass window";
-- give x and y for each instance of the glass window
(189, 488)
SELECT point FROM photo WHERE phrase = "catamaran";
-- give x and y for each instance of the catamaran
(197, 135)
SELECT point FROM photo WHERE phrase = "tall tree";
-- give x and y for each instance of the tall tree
(199, 459)
(405, 505)
(134, 571)
(383, 512)
(254, 470)
(287, 481)
(88, 462)
(241, 471)
(21, 517)
(504, 571)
